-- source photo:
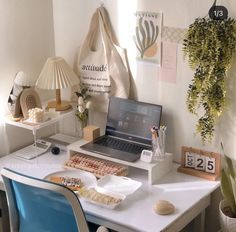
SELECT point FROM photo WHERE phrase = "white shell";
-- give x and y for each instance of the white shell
(164, 207)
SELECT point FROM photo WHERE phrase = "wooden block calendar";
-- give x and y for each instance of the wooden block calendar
(200, 163)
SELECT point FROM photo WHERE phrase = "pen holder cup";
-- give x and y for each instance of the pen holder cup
(158, 150)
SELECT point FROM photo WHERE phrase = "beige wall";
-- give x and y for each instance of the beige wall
(71, 20)
(27, 39)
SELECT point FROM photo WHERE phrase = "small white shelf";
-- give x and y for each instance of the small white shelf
(33, 127)
(155, 170)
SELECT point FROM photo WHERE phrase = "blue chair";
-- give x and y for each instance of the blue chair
(37, 205)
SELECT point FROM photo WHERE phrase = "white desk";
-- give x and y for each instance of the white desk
(190, 195)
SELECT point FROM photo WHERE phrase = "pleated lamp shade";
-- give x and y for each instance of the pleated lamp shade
(57, 74)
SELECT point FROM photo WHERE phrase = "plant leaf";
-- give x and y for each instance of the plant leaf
(138, 43)
(230, 166)
(142, 31)
(229, 163)
(148, 41)
(227, 191)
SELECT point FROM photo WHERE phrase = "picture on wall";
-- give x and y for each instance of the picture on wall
(147, 36)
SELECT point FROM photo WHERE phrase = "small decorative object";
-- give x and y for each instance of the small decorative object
(146, 156)
(228, 188)
(91, 132)
(200, 163)
(210, 46)
(83, 106)
(21, 82)
(148, 36)
(29, 99)
(164, 207)
(55, 150)
(158, 143)
(56, 75)
(36, 115)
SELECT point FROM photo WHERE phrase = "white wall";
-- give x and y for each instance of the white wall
(27, 39)
(71, 20)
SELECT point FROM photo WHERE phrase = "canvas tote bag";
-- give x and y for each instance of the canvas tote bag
(102, 65)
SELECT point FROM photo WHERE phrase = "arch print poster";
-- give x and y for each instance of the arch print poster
(147, 36)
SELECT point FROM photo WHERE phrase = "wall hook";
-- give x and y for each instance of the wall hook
(101, 4)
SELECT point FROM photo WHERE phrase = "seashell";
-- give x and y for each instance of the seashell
(164, 207)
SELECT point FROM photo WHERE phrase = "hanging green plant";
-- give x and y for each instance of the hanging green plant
(209, 46)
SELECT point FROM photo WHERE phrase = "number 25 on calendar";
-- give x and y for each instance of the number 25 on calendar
(200, 162)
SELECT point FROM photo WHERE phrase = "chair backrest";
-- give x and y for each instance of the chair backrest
(41, 206)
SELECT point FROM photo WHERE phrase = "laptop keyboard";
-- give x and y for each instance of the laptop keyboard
(121, 145)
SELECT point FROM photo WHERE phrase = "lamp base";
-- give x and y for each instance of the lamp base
(59, 107)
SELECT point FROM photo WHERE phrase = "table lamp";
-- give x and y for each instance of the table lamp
(57, 74)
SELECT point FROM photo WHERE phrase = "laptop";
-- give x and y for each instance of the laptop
(127, 129)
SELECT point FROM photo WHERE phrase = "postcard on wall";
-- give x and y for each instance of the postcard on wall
(147, 36)
(168, 70)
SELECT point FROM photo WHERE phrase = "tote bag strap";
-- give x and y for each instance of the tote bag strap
(97, 27)
(112, 38)
(93, 28)
(107, 25)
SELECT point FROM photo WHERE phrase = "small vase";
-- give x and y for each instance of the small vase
(82, 124)
(228, 224)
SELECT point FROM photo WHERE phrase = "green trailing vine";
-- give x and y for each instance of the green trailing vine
(209, 46)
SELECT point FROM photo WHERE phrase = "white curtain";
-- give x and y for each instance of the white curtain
(4, 144)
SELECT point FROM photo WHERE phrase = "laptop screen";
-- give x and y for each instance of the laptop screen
(132, 120)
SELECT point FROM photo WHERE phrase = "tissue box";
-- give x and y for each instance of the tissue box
(91, 132)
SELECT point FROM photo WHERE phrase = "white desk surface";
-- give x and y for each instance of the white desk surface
(190, 195)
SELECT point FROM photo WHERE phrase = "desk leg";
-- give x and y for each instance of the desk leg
(199, 222)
